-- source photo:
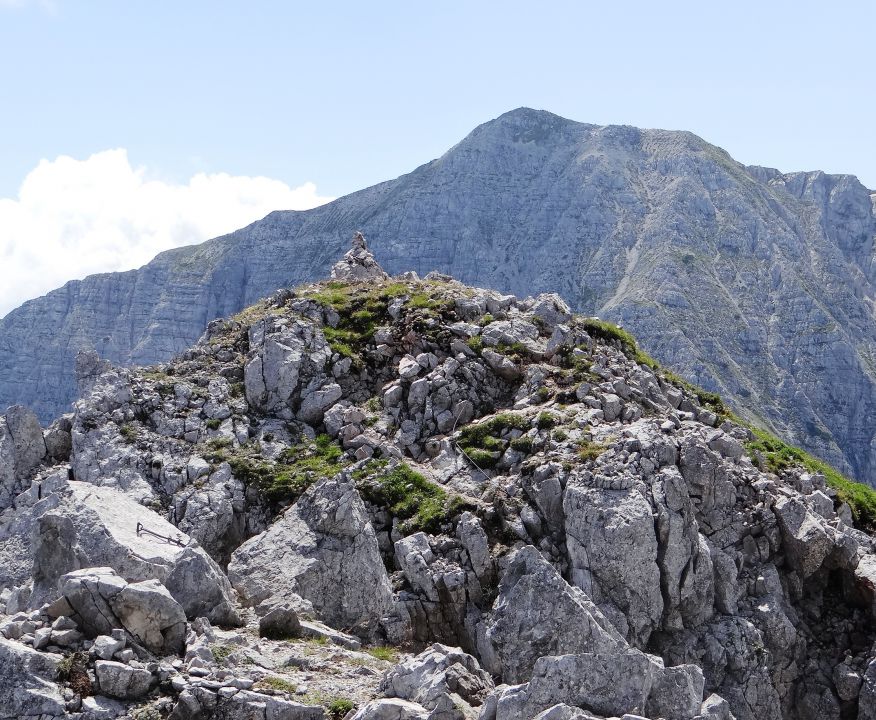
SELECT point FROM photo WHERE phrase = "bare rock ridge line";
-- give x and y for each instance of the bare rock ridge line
(384, 497)
(747, 281)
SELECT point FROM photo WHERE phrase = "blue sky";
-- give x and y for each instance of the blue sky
(346, 94)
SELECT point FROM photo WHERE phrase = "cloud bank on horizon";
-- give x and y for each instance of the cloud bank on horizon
(74, 217)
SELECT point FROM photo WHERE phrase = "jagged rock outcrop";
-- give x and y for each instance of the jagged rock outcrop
(358, 264)
(324, 550)
(22, 448)
(562, 530)
(537, 614)
(746, 280)
(443, 680)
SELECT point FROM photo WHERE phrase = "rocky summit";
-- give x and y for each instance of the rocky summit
(749, 282)
(394, 498)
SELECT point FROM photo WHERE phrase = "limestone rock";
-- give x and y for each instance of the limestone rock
(102, 601)
(676, 693)
(22, 448)
(807, 541)
(27, 682)
(613, 551)
(435, 676)
(286, 374)
(538, 614)
(197, 703)
(325, 550)
(391, 709)
(118, 680)
(606, 684)
(867, 697)
(98, 526)
(358, 264)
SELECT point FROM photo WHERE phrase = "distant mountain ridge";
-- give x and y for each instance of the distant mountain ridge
(754, 283)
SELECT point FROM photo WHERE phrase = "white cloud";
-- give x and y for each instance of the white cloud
(77, 217)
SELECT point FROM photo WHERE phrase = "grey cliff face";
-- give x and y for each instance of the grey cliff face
(754, 283)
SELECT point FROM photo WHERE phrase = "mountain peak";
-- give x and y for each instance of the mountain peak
(712, 265)
(513, 507)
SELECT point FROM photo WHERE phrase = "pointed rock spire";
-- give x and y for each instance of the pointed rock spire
(358, 263)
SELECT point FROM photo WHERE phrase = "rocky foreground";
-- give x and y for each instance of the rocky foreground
(395, 499)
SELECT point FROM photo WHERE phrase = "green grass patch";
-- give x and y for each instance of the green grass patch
(608, 332)
(475, 433)
(475, 343)
(516, 351)
(383, 652)
(419, 503)
(274, 682)
(546, 421)
(213, 423)
(361, 308)
(482, 443)
(589, 450)
(295, 470)
(221, 652)
(779, 456)
(484, 459)
(522, 444)
(339, 707)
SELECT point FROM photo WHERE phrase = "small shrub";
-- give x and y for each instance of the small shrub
(221, 652)
(373, 404)
(73, 669)
(516, 351)
(339, 707)
(476, 343)
(522, 444)
(589, 450)
(213, 423)
(484, 459)
(560, 435)
(128, 433)
(546, 421)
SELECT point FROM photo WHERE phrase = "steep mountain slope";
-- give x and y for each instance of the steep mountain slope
(750, 282)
